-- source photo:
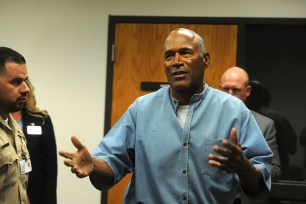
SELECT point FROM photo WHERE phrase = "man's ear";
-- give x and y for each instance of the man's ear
(248, 90)
(206, 58)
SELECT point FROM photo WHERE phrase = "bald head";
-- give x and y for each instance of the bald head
(235, 81)
(197, 39)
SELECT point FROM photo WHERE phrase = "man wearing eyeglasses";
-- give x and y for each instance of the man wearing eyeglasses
(235, 81)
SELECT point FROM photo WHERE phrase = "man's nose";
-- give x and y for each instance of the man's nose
(25, 87)
(230, 91)
(177, 60)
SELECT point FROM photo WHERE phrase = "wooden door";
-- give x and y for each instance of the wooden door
(139, 57)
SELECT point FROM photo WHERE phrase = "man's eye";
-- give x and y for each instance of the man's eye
(236, 90)
(168, 56)
(185, 53)
(225, 89)
(16, 82)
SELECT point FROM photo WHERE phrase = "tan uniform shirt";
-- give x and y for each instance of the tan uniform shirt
(12, 150)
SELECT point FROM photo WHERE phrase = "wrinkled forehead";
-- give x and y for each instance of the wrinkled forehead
(233, 82)
(179, 38)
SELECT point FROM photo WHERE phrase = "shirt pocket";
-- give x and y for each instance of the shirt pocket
(8, 165)
(207, 169)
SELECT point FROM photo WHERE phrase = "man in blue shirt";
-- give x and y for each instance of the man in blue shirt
(185, 143)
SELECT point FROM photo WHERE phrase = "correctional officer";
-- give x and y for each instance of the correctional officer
(15, 163)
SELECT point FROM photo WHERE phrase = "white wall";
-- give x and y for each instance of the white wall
(65, 42)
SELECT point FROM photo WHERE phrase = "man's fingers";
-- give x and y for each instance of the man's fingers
(76, 142)
(68, 162)
(234, 136)
(67, 155)
(223, 151)
(79, 172)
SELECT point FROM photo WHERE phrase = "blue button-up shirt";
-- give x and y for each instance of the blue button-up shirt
(170, 163)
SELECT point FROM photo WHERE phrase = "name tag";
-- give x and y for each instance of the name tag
(34, 130)
(26, 166)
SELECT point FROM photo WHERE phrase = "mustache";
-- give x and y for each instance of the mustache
(177, 72)
(22, 96)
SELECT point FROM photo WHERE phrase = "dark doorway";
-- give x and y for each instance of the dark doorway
(276, 56)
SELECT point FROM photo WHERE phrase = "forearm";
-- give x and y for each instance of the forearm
(102, 175)
(251, 179)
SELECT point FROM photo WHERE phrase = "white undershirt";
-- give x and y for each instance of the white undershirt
(182, 114)
(19, 122)
(6, 121)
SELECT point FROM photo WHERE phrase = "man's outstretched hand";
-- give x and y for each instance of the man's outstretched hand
(81, 162)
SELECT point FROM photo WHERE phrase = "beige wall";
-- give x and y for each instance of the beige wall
(64, 42)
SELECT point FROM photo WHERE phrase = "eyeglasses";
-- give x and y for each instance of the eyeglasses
(232, 90)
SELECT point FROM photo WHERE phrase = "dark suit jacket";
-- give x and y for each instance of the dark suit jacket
(43, 154)
(285, 135)
(268, 130)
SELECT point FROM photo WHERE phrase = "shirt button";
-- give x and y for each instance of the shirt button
(185, 144)
(184, 171)
(184, 198)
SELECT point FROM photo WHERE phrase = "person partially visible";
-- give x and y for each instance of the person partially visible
(185, 143)
(15, 164)
(259, 101)
(235, 81)
(38, 129)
